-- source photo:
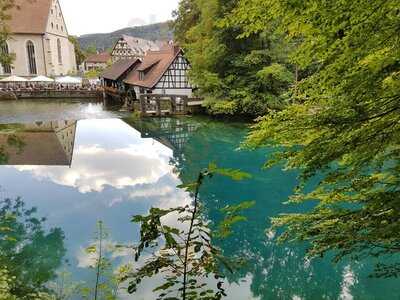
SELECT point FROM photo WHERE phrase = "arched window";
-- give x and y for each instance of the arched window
(4, 50)
(59, 51)
(30, 49)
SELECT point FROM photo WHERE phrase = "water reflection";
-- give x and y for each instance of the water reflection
(28, 252)
(173, 133)
(118, 168)
(39, 143)
(119, 159)
(28, 111)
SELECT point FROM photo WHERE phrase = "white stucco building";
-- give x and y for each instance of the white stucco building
(39, 41)
(98, 61)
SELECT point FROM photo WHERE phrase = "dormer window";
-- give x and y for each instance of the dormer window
(141, 75)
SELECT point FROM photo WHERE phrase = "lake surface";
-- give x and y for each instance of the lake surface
(78, 163)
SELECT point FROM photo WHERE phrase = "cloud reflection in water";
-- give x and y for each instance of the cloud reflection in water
(119, 159)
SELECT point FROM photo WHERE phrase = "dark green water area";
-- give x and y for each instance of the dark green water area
(77, 163)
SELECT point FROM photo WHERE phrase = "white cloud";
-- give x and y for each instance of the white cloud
(87, 259)
(349, 279)
(94, 167)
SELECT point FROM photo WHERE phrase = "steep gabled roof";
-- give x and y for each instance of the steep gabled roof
(139, 45)
(29, 16)
(103, 57)
(154, 66)
(115, 71)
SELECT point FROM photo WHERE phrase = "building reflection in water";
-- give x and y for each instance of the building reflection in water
(40, 143)
(173, 133)
(51, 143)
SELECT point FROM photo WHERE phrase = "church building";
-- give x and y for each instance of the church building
(38, 41)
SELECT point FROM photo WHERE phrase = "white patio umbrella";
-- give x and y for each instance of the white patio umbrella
(41, 78)
(69, 80)
(14, 78)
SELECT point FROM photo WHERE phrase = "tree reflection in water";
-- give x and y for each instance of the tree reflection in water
(29, 254)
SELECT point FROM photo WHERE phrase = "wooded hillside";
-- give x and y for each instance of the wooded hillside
(104, 41)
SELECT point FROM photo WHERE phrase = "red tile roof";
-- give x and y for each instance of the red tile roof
(115, 71)
(154, 66)
(29, 16)
(98, 58)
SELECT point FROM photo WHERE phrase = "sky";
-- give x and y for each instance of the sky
(98, 16)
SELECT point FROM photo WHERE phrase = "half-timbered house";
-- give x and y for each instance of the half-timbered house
(163, 72)
(161, 76)
(129, 47)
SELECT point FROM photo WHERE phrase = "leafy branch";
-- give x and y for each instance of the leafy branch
(185, 257)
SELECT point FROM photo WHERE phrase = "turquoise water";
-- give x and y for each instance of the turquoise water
(99, 166)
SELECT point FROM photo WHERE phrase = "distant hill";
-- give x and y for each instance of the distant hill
(104, 41)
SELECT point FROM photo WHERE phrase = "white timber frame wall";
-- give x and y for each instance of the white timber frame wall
(123, 51)
(175, 81)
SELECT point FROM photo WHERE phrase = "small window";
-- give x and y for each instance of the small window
(62, 28)
(57, 26)
(52, 11)
(52, 26)
(141, 75)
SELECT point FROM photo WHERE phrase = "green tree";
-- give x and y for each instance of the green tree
(344, 124)
(91, 49)
(80, 56)
(29, 256)
(235, 73)
(5, 6)
(185, 17)
(6, 283)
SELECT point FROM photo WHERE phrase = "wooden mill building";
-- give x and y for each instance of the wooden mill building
(161, 72)
(158, 76)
